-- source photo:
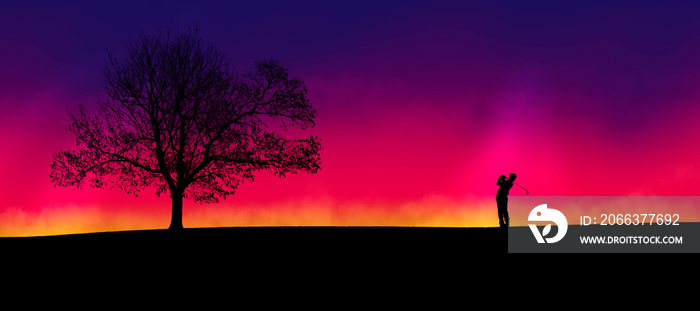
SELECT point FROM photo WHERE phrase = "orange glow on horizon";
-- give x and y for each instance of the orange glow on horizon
(431, 211)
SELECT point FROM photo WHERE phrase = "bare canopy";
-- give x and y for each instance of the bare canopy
(178, 119)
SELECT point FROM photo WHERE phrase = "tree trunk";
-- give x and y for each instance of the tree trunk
(176, 218)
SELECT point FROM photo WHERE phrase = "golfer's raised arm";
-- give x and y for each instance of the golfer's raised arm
(500, 180)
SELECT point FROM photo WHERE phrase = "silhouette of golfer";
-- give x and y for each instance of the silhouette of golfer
(502, 198)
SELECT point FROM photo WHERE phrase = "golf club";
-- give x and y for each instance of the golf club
(526, 192)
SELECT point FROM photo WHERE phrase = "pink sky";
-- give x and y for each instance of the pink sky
(420, 109)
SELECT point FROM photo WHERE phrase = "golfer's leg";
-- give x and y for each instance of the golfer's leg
(501, 220)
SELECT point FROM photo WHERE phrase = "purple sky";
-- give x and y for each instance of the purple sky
(414, 98)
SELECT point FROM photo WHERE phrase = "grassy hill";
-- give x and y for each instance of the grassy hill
(277, 239)
(262, 246)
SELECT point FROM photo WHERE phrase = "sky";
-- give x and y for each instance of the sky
(421, 106)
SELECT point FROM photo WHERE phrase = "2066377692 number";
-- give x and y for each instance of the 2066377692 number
(639, 219)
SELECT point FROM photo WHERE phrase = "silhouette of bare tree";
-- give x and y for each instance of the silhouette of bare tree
(178, 119)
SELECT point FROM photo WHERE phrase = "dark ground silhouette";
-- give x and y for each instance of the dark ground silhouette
(355, 262)
(266, 246)
(460, 258)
